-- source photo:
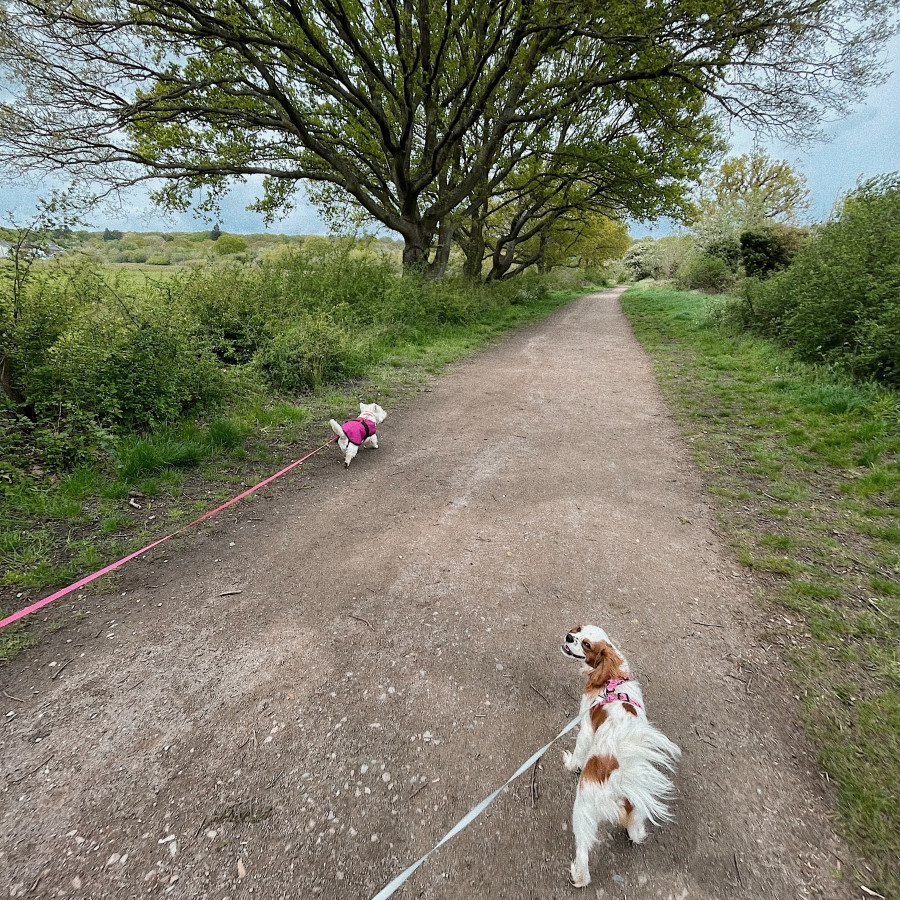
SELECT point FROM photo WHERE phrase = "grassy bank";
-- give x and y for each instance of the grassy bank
(805, 471)
(283, 350)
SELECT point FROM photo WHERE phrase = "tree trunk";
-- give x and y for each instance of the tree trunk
(414, 257)
(436, 269)
(6, 382)
(542, 248)
(502, 260)
(473, 250)
(418, 238)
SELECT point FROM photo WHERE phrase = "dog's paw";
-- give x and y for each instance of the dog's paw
(569, 762)
(577, 878)
(637, 833)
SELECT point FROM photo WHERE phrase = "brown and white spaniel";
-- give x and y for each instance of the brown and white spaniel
(617, 751)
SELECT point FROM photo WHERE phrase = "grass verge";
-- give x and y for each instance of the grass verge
(55, 529)
(806, 472)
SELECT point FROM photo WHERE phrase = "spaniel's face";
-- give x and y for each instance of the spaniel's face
(585, 642)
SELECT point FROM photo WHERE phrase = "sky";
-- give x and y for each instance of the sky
(863, 144)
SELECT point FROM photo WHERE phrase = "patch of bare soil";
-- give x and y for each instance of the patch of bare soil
(314, 689)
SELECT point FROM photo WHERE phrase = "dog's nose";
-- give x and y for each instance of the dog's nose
(570, 638)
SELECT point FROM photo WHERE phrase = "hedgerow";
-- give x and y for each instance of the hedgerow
(838, 303)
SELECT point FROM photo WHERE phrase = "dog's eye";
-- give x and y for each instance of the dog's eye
(586, 645)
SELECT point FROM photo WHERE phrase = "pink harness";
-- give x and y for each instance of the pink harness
(610, 695)
(358, 430)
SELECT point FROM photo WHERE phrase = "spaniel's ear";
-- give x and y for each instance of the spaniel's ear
(605, 663)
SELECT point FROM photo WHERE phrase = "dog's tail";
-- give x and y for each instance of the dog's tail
(644, 784)
(338, 431)
(639, 751)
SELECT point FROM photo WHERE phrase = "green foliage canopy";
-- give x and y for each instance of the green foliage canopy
(407, 110)
(753, 190)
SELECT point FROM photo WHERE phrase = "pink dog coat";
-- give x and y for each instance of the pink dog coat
(357, 430)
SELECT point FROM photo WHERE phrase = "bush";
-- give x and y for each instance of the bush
(81, 361)
(153, 375)
(229, 243)
(650, 258)
(303, 355)
(705, 272)
(728, 249)
(769, 249)
(839, 301)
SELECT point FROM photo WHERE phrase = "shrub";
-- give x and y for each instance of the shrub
(231, 310)
(153, 375)
(650, 258)
(229, 243)
(769, 249)
(839, 301)
(705, 272)
(303, 355)
(728, 249)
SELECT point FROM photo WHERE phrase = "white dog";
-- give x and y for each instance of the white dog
(359, 432)
(616, 751)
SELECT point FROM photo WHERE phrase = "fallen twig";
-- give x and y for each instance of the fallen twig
(880, 611)
(535, 792)
(707, 624)
(736, 869)
(539, 694)
(229, 593)
(359, 619)
(56, 673)
(38, 769)
(10, 696)
(418, 790)
(705, 741)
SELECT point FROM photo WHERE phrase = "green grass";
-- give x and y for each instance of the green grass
(806, 472)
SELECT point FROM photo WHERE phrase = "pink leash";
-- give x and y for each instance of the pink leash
(88, 579)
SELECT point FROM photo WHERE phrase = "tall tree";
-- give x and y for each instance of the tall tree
(753, 189)
(383, 99)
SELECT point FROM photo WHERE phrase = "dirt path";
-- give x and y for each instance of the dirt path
(392, 657)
